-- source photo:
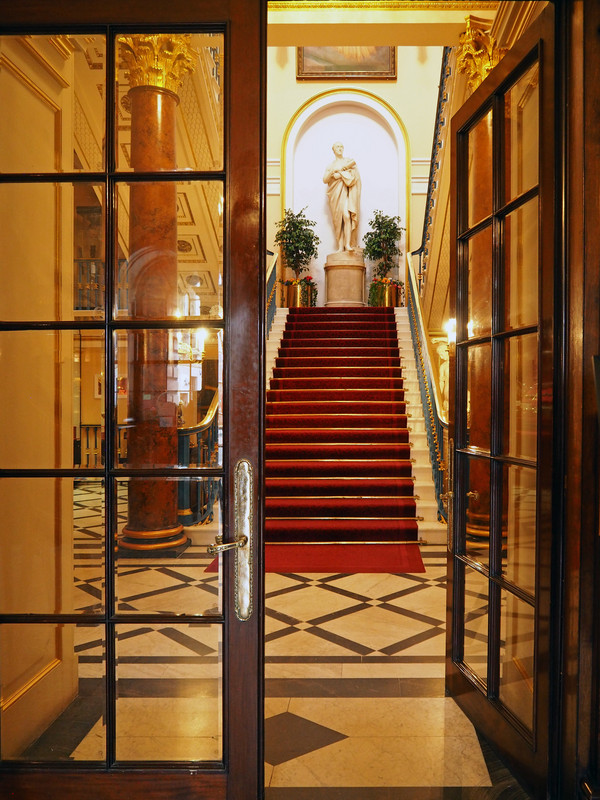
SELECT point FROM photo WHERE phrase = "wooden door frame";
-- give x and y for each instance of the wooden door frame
(245, 137)
(497, 729)
(578, 749)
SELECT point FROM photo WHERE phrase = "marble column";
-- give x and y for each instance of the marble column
(156, 64)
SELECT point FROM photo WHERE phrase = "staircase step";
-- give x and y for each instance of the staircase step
(340, 507)
(340, 530)
(337, 371)
(336, 450)
(345, 435)
(341, 382)
(339, 407)
(340, 487)
(339, 468)
(355, 420)
(334, 395)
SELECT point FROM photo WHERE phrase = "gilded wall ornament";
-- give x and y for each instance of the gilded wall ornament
(477, 53)
(161, 60)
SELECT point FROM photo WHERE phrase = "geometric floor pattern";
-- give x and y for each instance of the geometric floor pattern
(355, 702)
(354, 675)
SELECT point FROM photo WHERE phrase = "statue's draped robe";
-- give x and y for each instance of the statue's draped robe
(343, 194)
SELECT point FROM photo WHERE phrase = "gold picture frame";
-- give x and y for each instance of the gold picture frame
(346, 63)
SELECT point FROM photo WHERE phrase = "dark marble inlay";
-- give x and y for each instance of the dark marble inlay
(354, 687)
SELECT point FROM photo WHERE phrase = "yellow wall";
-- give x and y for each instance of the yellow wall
(413, 96)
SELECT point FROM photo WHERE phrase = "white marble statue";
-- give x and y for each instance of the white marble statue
(343, 192)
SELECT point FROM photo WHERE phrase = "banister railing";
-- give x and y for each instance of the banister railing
(434, 422)
(271, 304)
(434, 167)
(198, 446)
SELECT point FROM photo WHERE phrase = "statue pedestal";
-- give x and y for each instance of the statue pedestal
(345, 279)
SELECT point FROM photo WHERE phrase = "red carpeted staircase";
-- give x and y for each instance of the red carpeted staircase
(338, 465)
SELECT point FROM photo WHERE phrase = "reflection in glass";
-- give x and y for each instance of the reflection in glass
(477, 527)
(170, 98)
(520, 396)
(519, 500)
(182, 583)
(480, 170)
(53, 695)
(480, 284)
(51, 546)
(58, 85)
(58, 273)
(168, 388)
(170, 250)
(479, 388)
(476, 622)
(51, 394)
(173, 712)
(521, 266)
(521, 134)
(517, 633)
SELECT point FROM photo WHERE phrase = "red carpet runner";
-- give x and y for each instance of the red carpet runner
(338, 463)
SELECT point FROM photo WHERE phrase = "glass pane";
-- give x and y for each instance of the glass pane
(480, 284)
(170, 101)
(521, 134)
(517, 657)
(170, 250)
(62, 264)
(521, 266)
(476, 622)
(480, 170)
(51, 394)
(169, 579)
(519, 518)
(520, 396)
(55, 565)
(479, 400)
(168, 387)
(58, 85)
(53, 696)
(477, 524)
(169, 693)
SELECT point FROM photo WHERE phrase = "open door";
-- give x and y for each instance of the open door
(131, 186)
(501, 435)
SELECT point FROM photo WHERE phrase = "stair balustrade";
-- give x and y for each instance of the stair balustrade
(434, 424)
(197, 447)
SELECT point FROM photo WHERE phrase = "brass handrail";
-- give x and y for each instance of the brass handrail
(206, 420)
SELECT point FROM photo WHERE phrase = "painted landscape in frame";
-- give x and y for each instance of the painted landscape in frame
(360, 62)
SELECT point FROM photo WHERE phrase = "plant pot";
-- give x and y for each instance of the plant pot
(294, 296)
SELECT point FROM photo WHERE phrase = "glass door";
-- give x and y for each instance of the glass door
(130, 374)
(500, 543)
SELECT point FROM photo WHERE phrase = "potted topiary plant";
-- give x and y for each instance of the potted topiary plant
(298, 245)
(381, 246)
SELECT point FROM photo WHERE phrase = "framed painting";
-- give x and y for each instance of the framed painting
(354, 63)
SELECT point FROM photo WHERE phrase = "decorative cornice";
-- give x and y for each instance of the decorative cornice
(381, 5)
(477, 53)
(159, 60)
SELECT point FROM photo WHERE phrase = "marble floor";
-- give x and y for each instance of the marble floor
(355, 706)
(355, 703)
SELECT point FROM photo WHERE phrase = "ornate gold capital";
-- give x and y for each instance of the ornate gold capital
(477, 53)
(158, 59)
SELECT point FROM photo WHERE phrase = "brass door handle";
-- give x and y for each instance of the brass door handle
(243, 542)
(219, 547)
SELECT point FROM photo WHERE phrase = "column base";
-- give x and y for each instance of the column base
(168, 543)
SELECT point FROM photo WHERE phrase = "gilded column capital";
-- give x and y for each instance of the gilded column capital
(158, 59)
(477, 52)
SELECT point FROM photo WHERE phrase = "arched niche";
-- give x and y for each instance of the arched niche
(373, 134)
